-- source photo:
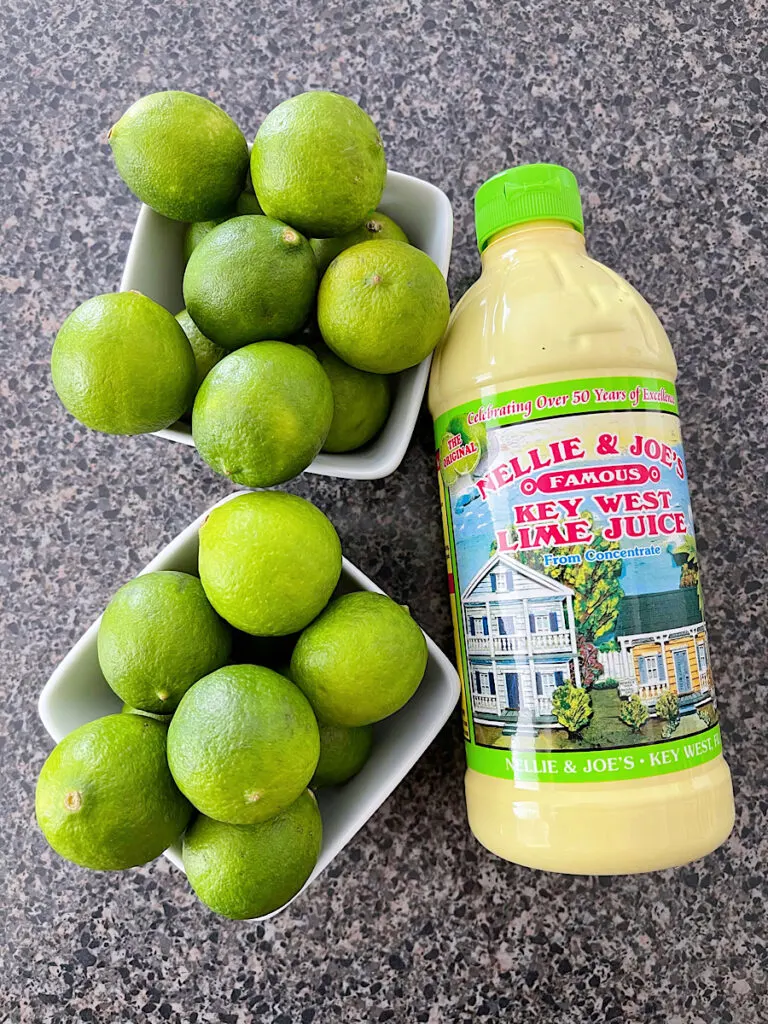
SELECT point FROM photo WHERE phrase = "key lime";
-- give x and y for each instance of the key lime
(122, 364)
(318, 163)
(105, 798)
(157, 636)
(360, 402)
(251, 278)
(243, 744)
(375, 228)
(247, 203)
(196, 232)
(343, 752)
(244, 871)
(205, 352)
(453, 463)
(181, 155)
(263, 413)
(382, 307)
(269, 562)
(359, 661)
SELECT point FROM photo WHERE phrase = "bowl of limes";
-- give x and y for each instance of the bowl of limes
(244, 705)
(280, 302)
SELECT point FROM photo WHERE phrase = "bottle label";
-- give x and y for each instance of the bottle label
(574, 576)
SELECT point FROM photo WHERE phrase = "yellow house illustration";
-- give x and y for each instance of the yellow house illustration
(662, 646)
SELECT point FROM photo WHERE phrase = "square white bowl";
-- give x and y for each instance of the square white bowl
(77, 693)
(155, 267)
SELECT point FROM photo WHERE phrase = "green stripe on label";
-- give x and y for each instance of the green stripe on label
(636, 762)
(567, 398)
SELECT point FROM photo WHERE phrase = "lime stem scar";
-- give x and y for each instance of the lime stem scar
(73, 800)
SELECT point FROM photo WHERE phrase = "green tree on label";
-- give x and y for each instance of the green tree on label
(572, 707)
(596, 586)
(634, 713)
(687, 557)
(668, 708)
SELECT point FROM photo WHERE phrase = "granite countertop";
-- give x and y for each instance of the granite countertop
(659, 108)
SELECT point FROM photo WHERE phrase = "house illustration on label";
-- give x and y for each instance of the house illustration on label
(662, 646)
(520, 640)
(520, 637)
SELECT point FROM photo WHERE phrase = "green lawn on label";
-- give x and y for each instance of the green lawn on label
(605, 729)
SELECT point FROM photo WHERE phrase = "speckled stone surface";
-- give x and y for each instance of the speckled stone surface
(660, 110)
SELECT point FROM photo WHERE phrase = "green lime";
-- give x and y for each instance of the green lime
(158, 635)
(126, 709)
(196, 232)
(360, 402)
(343, 752)
(262, 414)
(205, 352)
(318, 163)
(269, 562)
(457, 460)
(382, 307)
(122, 364)
(181, 155)
(251, 278)
(359, 661)
(105, 798)
(243, 744)
(375, 228)
(247, 203)
(461, 448)
(243, 871)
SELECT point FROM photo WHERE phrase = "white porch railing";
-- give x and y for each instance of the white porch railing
(484, 702)
(479, 644)
(543, 705)
(517, 643)
(551, 641)
(650, 691)
(514, 644)
(497, 644)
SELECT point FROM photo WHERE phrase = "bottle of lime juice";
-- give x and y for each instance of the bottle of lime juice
(590, 717)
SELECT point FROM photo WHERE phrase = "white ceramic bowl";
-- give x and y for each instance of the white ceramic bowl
(155, 267)
(77, 692)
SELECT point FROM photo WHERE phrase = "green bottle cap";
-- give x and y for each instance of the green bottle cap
(525, 193)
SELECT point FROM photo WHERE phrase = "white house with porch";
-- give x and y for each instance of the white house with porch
(520, 640)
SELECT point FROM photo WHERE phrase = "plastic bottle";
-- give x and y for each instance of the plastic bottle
(590, 718)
